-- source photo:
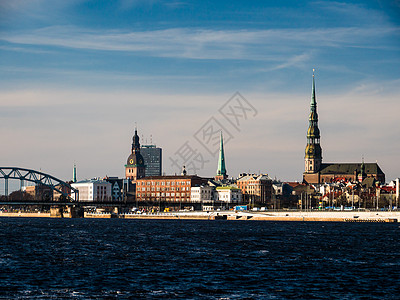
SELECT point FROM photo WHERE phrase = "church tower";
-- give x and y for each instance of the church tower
(313, 153)
(135, 168)
(221, 171)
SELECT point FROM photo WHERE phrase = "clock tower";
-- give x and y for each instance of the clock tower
(135, 168)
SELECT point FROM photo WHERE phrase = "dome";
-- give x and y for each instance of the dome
(135, 159)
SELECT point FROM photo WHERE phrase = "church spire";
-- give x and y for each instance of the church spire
(313, 153)
(135, 142)
(313, 102)
(221, 171)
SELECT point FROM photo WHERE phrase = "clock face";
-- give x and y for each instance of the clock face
(131, 161)
(140, 161)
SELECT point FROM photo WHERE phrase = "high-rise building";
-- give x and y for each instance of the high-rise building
(152, 156)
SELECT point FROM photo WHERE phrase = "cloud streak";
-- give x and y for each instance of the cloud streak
(205, 43)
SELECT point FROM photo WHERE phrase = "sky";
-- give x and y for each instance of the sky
(77, 76)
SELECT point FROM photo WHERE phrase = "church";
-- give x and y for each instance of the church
(135, 167)
(317, 172)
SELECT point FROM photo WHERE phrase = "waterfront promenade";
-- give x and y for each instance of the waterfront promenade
(334, 216)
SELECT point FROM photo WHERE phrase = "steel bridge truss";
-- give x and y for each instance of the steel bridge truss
(38, 178)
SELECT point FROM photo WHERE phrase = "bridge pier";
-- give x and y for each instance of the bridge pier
(74, 212)
(56, 211)
(61, 211)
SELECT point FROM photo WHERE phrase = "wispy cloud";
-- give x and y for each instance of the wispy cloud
(205, 44)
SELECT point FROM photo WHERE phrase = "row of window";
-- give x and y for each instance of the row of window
(163, 182)
(165, 189)
(164, 194)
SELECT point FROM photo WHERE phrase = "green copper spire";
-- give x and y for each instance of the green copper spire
(221, 161)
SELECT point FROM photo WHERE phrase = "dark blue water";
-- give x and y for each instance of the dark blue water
(148, 259)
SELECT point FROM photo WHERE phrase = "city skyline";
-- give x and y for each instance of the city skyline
(76, 77)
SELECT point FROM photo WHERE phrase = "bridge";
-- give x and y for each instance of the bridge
(40, 179)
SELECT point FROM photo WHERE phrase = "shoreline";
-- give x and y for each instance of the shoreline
(296, 216)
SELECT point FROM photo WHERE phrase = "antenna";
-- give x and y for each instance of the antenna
(151, 139)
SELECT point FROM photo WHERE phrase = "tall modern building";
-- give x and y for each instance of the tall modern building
(152, 156)
(317, 172)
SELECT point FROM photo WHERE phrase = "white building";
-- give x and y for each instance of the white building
(93, 190)
(228, 194)
(202, 194)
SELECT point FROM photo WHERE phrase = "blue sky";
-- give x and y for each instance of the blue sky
(76, 76)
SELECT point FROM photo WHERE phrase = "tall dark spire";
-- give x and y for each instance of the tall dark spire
(313, 153)
(135, 142)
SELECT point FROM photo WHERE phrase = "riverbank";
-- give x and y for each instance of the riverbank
(309, 216)
(312, 216)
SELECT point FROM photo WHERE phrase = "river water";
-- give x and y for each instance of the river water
(170, 259)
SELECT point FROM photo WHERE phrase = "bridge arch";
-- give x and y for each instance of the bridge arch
(39, 178)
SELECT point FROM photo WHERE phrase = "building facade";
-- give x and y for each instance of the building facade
(228, 195)
(167, 189)
(316, 172)
(93, 190)
(39, 192)
(152, 156)
(116, 188)
(202, 194)
(256, 189)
